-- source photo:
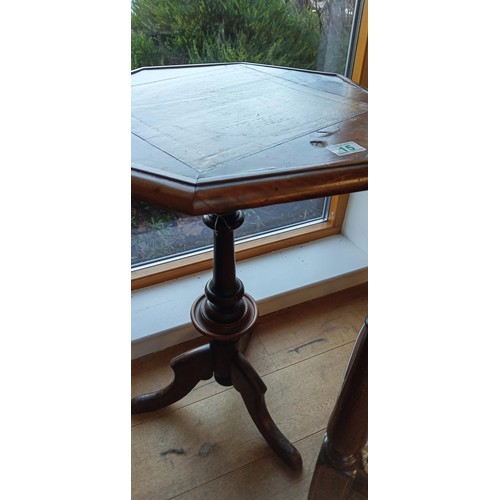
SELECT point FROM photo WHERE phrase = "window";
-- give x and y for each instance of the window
(306, 34)
(188, 241)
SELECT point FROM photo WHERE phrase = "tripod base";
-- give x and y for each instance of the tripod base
(224, 314)
(201, 364)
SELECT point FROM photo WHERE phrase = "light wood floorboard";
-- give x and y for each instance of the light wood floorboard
(206, 445)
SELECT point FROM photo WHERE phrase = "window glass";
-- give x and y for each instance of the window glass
(339, 23)
(159, 234)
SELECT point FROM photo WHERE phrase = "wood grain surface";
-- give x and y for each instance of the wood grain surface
(219, 137)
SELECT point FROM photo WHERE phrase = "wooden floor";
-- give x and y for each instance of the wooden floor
(206, 445)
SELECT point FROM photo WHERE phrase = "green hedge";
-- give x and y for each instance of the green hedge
(199, 31)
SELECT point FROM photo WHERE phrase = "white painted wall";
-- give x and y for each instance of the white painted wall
(356, 220)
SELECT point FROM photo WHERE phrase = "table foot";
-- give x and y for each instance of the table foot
(252, 389)
(189, 368)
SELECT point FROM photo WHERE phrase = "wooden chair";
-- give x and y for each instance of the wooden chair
(342, 467)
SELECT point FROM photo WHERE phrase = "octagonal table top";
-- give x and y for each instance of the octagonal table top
(214, 138)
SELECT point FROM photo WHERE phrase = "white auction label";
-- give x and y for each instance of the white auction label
(346, 148)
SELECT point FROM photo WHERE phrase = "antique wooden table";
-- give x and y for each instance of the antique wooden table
(214, 139)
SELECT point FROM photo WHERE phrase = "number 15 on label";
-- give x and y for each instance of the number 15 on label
(346, 148)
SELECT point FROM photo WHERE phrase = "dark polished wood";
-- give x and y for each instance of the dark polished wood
(224, 314)
(189, 369)
(340, 470)
(217, 138)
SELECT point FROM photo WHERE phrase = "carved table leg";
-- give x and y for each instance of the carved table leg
(339, 468)
(189, 368)
(252, 389)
